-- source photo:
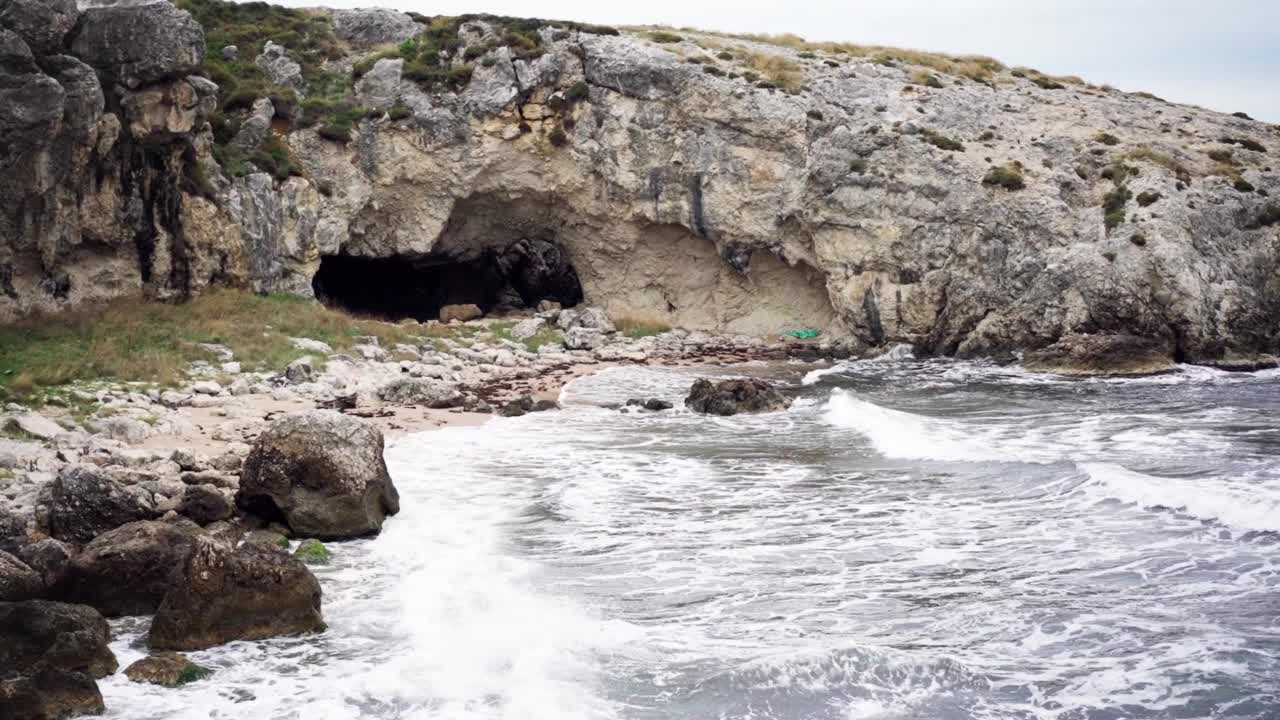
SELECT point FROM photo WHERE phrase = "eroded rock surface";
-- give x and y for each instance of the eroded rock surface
(321, 472)
(734, 396)
(50, 655)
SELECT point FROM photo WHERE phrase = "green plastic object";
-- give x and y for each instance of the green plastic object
(804, 333)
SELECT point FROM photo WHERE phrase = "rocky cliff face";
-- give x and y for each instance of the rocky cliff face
(868, 196)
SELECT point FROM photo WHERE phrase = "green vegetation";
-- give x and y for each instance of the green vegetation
(1222, 155)
(1008, 177)
(1113, 207)
(941, 141)
(1149, 155)
(1138, 239)
(1242, 185)
(1106, 139)
(192, 673)
(1148, 198)
(313, 552)
(1245, 143)
(664, 37)
(156, 342)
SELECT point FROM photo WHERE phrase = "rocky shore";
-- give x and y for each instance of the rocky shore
(182, 502)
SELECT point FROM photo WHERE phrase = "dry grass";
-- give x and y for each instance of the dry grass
(634, 326)
(1155, 157)
(156, 342)
(777, 70)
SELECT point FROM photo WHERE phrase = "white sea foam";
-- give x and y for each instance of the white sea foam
(1240, 505)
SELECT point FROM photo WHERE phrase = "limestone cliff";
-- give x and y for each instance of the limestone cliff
(699, 180)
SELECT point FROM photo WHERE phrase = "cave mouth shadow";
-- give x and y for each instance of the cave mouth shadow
(496, 279)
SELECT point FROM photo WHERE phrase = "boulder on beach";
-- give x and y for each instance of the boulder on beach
(221, 594)
(731, 397)
(50, 654)
(85, 502)
(322, 473)
(126, 571)
(17, 580)
(423, 392)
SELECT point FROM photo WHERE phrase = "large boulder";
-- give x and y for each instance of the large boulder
(738, 395)
(49, 558)
(323, 473)
(367, 27)
(50, 654)
(85, 503)
(221, 594)
(204, 504)
(139, 41)
(17, 580)
(41, 23)
(126, 571)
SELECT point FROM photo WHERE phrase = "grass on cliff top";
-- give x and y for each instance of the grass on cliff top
(156, 342)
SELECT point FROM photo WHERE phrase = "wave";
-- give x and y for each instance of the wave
(1239, 505)
(907, 436)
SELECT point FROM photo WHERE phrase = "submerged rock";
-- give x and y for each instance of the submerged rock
(313, 552)
(222, 594)
(323, 473)
(169, 669)
(731, 397)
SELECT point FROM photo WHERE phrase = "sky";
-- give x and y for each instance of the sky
(1220, 54)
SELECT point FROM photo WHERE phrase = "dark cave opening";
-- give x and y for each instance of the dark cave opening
(498, 280)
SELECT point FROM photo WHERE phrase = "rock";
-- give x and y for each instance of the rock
(461, 313)
(13, 531)
(369, 27)
(525, 405)
(256, 127)
(204, 504)
(206, 387)
(17, 580)
(1084, 355)
(42, 24)
(277, 65)
(37, 425)
(581, 338)
(230, 53)
(222, 594)
(422, 392)
(323, 472)
(118, 427)
(162, 112)
(731, 397)
(49, 558)
(651, 404)
(84, 503)
(126, 571)
(526, 329)
(139, 42)
(50, 654)
(313, 552)
(300, 370)
(169, 669)
(267, 539)
(549, 307)
(309, 345)
(380, 87)
(339, 402)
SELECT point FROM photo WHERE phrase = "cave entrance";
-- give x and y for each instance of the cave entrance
(498, 280)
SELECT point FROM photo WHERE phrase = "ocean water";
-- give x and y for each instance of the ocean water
(912, 540)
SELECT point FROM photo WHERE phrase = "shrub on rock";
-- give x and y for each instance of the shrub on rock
(221, 594)
(731, 397)
(323, 473)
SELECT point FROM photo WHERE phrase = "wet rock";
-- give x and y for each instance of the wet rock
(17, 580)
(222, 594)
(50, 654)
(126, 571)
(42, 24)
(139, 42)
(461, 313)
(422, 392)
(369, 27)
(84, 503)
(313, 552)
(651, 404)
(300, 371)
(731, 397)
(169, 669)
(1087, 355)
(323, 473)
(525, 405)
(204, 504)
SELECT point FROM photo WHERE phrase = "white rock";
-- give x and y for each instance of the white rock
(38, 425)
(231, 368)
(526, 329)
(309, 345)
(206, 387)
(581, 338)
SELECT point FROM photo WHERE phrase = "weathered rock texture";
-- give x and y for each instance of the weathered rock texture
(323, 473)
(50, 655)
(734, 396)
(856, 205)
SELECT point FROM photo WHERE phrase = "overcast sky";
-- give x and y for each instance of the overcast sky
(1222, 54)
